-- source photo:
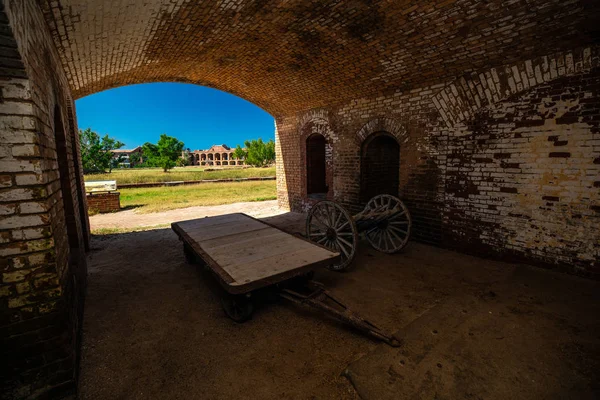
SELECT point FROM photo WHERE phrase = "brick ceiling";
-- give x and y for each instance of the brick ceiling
(292, 55)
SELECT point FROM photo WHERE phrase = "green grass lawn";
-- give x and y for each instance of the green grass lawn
(146, 175)
(148, 200)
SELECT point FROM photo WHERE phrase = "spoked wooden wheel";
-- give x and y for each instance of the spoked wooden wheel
(392, 223)
(329, 225)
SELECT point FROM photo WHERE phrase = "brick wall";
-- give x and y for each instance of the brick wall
(523, 176)
(104, 202)
(411, 118)
(502, 163)
(43, 235)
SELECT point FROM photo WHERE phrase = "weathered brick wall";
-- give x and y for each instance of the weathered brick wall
(104, 202)
(304, 54)
(43, 243)
(501, 163)
(411, 118)
(523, 176)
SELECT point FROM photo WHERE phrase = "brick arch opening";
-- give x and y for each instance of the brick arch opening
(379, 166)
(316, 166)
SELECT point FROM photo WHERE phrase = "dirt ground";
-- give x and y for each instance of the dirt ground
(471, 328)
(131, 219)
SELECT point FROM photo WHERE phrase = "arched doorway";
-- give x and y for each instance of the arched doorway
(379, 166)
(316, 182)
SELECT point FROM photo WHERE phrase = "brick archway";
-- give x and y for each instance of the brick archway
(382, 124)
(461, 99)
(313, 124)
(379, 166)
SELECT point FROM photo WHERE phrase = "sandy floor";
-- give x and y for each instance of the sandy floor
(130, 218)
(154, 329)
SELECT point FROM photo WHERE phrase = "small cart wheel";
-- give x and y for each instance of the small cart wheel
(330, 225)
(238, 308)
(392, 229)
(190, 256)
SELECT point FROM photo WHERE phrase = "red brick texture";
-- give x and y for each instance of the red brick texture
(42, 233)
(515, 178)
(305, 54)
(104, 202)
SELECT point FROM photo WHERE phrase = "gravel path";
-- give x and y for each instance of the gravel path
(132, 219)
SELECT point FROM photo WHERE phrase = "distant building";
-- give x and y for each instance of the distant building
(216, 155)
(125, 156)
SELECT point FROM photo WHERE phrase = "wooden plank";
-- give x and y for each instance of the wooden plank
(247, 254)
(276, 265)
(212, 221)
(224, 277)
(254, 250)
(221, 226)
(267, 234)
(224, 230)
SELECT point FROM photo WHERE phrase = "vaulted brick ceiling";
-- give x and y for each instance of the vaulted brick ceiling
(292, 55)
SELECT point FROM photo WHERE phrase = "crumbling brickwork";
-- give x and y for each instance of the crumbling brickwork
(523, 176)
(504, 163)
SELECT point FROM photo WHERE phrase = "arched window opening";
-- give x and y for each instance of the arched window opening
(316, 182)
(380, 166)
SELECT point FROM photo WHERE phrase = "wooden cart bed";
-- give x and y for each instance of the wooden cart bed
(247, 254)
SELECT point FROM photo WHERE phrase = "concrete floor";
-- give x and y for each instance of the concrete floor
(471, 328)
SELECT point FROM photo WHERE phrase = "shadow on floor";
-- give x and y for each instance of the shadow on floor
(472, 328)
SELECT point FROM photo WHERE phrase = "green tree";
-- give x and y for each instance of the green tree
(183, 161)
(186, 158)
(114, 162)
(164, 154)
(134, 159)
(259, 153)
(239, 153)
(96, 154)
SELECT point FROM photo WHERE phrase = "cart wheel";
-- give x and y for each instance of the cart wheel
(190, 256)
(238, 308)
(330, 225)
(392, 231)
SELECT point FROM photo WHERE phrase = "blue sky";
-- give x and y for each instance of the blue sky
(197, 115)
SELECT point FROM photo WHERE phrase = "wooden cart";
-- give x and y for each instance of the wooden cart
(247, 255)
(385, 222)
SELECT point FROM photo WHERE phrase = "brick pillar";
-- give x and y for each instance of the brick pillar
(42, 264)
